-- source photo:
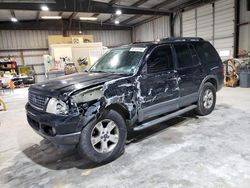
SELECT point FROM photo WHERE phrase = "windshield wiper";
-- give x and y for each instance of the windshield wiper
(120, 73)
(110, 72)
(98, 71)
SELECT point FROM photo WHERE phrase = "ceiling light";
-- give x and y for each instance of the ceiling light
(52, 17)
(44, 8)
(117, 22)
(88, 18)
(13, 19)
(80, 32)
(118, 12)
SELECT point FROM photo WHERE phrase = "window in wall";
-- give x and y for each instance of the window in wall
(160, 60)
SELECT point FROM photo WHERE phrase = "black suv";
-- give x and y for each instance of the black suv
(130, 88)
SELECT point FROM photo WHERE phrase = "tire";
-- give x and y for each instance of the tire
(92, 143)
(204, 105)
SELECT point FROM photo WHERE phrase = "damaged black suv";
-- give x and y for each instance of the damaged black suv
(129, 88)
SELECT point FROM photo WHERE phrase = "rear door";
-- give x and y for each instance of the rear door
(159, 84)
(190, 72)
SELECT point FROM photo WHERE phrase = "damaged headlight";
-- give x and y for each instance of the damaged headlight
(56, 106)
(88, 95)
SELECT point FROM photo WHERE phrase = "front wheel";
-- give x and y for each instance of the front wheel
(206, 100)
(103, 140)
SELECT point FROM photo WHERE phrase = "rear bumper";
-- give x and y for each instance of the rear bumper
(220, 84)
(219, 87)
(61, 130)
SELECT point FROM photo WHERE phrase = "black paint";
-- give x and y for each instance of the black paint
(137, 97)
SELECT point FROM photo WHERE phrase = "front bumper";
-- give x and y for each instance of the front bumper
(62, 130)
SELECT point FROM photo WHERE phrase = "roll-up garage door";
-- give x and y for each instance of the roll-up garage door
(205, 22)
(224, 27)
(213, 22)
(189, 23)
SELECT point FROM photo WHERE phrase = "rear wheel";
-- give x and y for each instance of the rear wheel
(103, 140)
(206, 100)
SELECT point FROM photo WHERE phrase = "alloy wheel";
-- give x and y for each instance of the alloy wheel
(208, 98)
(105, 136)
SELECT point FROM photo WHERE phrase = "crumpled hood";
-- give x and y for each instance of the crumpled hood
(73, 82)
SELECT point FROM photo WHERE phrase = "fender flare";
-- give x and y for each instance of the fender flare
(90, 115)
(206, 79)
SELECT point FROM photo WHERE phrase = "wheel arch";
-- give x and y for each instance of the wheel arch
(120, 108)
(211, 79)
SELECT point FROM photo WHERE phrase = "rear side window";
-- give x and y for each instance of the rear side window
(184, 55)
(160, 60)
(206, 52)
(195, 57)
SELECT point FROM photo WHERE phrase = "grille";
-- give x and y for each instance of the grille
(37, 101)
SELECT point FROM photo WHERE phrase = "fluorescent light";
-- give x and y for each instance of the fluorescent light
(52, 17)
(88, 18)
(13, 19)
(117, 22)
(44, 8)
(118, 12)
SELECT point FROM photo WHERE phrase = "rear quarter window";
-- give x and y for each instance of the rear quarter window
(207, 53)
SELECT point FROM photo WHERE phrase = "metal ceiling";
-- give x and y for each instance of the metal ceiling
(27, 1)
(134, 12)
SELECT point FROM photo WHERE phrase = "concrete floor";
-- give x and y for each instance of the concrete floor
(190, 151)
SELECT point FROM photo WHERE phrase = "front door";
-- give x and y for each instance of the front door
(159, 91)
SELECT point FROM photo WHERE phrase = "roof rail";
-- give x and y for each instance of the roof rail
(142, 42)
(182, 39)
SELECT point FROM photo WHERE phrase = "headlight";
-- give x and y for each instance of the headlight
(56, 106)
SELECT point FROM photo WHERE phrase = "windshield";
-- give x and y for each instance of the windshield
(119, 60)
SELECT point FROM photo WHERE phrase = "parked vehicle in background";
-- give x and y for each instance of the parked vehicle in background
(130, 88)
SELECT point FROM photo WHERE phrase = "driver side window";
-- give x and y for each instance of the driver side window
(160, 60)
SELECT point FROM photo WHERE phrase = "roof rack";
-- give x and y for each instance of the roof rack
(182, 39)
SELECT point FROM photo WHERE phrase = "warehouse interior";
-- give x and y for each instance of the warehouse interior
(44, 40)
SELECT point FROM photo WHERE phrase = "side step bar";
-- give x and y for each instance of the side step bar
(164, 118)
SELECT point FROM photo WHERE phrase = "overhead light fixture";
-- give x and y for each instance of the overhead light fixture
(52, 17)
(44, 8)
(118, 12)
(88, 18)
(13, 19)
(117, 22)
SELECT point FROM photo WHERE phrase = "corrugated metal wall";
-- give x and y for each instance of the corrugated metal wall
(213, 22)
(244, 38)
(36, 43)
(32, 39)
(24, 39)
(153, 30)
(110, 37)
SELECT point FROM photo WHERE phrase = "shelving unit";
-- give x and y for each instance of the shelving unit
(8, 66)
